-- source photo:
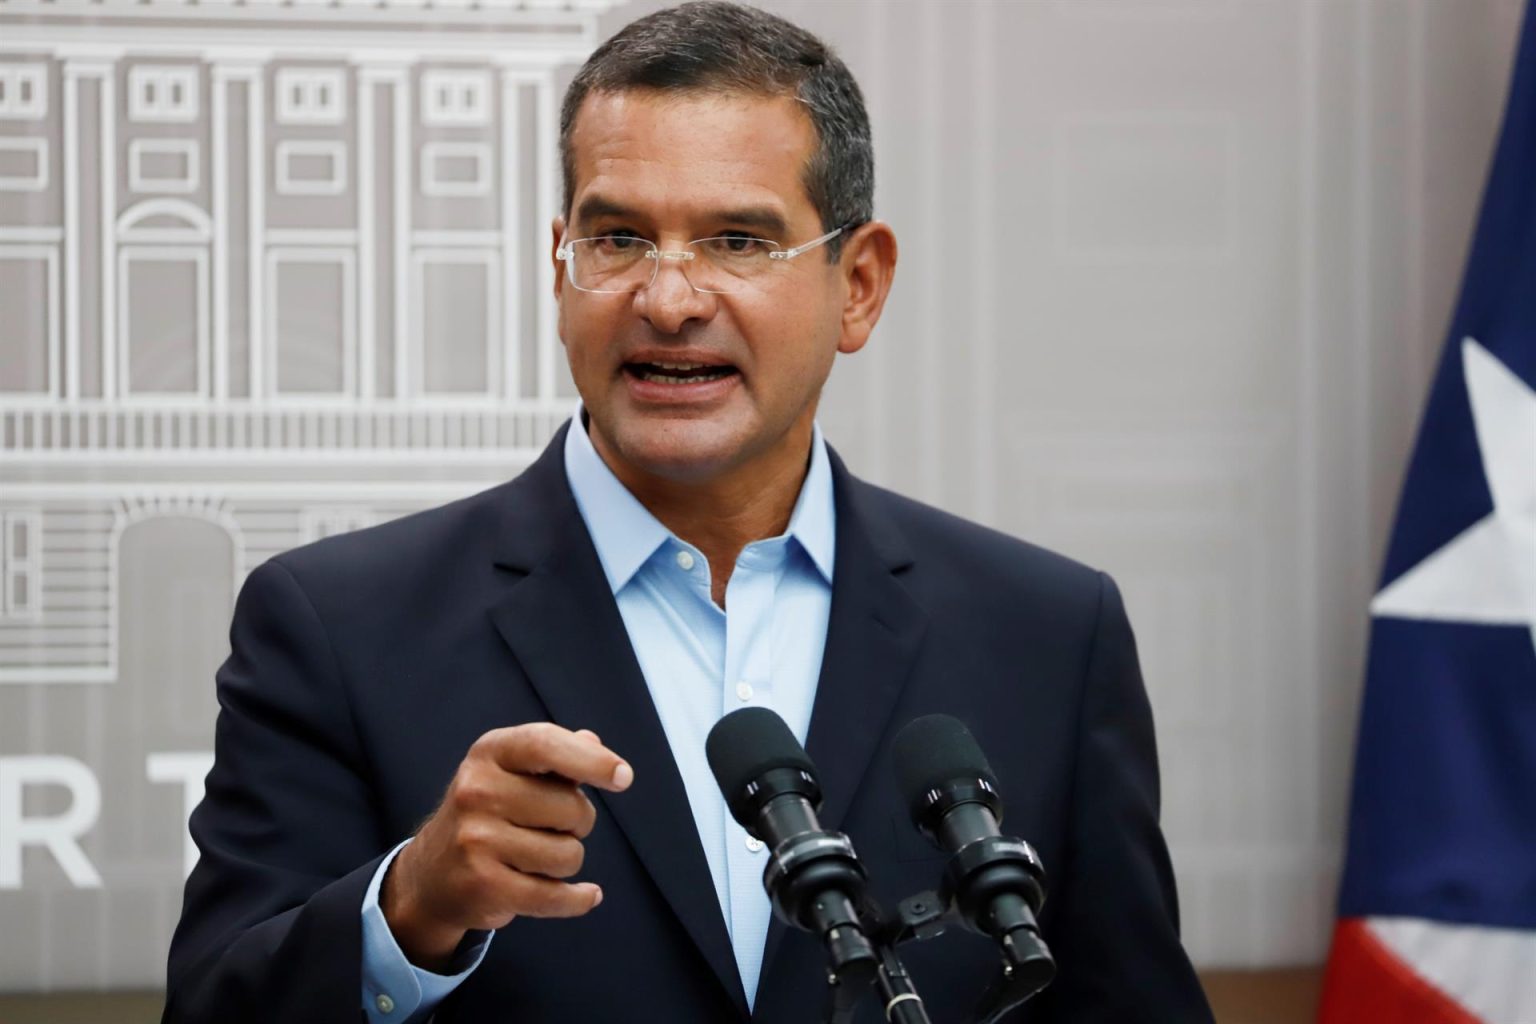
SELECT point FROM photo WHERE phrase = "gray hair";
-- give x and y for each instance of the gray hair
(714, 46)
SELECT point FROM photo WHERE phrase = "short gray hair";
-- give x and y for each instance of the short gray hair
(714, 46)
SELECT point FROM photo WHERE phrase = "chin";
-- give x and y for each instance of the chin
(677, 452)
(681, 464)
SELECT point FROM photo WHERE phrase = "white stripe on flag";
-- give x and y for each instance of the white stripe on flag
(1489, 971)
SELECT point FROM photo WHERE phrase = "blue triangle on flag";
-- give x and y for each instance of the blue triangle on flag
(1443, 813)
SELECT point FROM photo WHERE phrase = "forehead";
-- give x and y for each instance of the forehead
(681, 153)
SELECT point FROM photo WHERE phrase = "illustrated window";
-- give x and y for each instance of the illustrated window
(163, 93)
(455, 97)
(23, 91)
(311, 96)
(21, 564)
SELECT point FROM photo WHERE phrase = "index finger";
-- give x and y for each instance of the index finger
(538, 748)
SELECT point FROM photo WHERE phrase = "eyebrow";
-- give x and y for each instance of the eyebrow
(762, 218)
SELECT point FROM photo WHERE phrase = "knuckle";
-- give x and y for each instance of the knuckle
(549, 899)
(466, 838)
(470, 791)
(586, 819)
(477, 837)
(561, 807)
(522, 801)
(459, 801)
(484, 747)
(566, 857)
(531, 898)
(539, 741)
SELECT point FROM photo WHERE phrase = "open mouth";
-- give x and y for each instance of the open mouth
(678, 373)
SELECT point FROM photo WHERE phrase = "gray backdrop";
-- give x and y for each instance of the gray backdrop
(1174, 276)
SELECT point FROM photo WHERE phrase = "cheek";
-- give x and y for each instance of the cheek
(805, 320)
(584, 335)
(810, 313)
(777, 323)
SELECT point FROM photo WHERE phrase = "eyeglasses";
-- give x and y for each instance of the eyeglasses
(720, 266)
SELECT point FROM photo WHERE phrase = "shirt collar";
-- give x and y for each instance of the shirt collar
(626, 535)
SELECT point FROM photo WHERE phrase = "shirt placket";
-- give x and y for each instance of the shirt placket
(747, 683)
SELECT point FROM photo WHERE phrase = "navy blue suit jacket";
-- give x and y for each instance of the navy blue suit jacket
(364, 666)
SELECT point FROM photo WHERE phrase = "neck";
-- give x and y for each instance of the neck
(723, 514)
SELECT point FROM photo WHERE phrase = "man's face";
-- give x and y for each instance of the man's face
(672, 168)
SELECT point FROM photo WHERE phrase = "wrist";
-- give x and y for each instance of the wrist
(426, 942)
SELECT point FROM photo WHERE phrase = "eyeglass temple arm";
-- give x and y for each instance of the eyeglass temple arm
(789, 254)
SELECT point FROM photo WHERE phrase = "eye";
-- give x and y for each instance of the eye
(618, 241)
(736, 244)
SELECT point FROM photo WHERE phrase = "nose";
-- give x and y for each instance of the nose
(670, 301)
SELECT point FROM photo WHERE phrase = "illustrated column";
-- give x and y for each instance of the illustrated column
(235, 172)
(382, 116)
(517, 236)
(546, 208)
(90, 213)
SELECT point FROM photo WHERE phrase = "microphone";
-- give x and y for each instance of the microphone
(996, 883)
(813, 877)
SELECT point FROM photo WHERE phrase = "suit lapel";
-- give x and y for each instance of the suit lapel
(873, 636)
(564, 627)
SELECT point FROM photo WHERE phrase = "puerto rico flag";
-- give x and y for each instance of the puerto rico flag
(1437, 908)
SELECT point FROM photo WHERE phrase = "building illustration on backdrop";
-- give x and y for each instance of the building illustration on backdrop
(280, 268)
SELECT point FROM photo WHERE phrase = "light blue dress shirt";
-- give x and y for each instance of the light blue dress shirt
(700, 663)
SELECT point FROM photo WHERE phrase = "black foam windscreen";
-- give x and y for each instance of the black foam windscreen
(933, 751)
(745, 744)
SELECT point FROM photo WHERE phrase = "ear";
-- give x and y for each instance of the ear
(868, 265)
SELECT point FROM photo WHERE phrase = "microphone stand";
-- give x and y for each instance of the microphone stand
(917, 917)
(902, 1003)
(1026, 968)
(897, 993)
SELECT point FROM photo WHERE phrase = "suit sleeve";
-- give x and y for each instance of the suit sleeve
(1114, 929)
(289, 839)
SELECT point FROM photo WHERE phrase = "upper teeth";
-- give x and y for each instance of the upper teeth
(679, 366)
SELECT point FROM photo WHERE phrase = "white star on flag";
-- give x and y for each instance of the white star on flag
(1487, 574)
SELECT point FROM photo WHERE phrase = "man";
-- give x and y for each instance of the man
(687, 545)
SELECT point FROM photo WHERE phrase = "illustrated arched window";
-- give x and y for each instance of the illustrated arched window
(172, 633)
(163, 347)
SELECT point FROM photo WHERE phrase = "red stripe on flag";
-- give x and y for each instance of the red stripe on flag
(1366, 982)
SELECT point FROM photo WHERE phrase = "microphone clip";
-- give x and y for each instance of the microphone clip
(995, 885)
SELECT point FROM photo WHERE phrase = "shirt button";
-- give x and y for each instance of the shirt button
(754, 844)
(685, 560)
(384, 1003)
(744, 691)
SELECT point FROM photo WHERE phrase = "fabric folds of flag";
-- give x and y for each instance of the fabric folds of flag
(1437, 907)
